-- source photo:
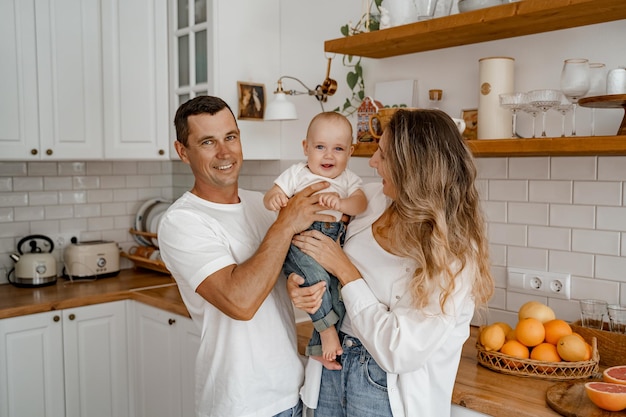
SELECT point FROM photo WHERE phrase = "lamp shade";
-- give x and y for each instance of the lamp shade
(281, 109)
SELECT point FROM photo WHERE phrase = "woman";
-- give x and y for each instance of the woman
(413, 268)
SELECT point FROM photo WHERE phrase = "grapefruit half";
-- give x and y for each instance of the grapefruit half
(607, 396)
(615, 374)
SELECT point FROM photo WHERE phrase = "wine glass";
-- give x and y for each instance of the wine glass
(563, 107)
(575, 83)
(597, 87)
(514, 102)
(544, 100)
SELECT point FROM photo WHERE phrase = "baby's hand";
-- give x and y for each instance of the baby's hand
(277, 202)
(330, 200)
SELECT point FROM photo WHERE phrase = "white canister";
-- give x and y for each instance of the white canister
(616, 81)
(496, 76)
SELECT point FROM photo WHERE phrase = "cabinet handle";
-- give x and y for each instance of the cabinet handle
(171, 321)
(48, 151)
(34, 151)
(161, 152)
(72, 316)
(56, 318)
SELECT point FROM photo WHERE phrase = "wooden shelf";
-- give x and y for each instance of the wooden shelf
(525, 17)
(568, 146)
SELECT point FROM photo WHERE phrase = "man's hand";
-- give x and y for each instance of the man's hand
(308, 299)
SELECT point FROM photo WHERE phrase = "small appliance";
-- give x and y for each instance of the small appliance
(91, 259)
(36, 266)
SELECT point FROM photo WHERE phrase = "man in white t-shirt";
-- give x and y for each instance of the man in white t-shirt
(226, 252)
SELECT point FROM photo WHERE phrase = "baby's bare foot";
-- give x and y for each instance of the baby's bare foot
(331, 347)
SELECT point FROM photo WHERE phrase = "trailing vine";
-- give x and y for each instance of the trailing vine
(354, 78)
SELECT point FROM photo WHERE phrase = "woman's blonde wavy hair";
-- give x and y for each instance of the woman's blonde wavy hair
(436, 217)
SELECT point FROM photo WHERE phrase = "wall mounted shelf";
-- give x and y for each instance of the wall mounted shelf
(499, 22)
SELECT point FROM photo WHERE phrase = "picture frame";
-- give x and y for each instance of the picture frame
(251, 101)
(470, 116)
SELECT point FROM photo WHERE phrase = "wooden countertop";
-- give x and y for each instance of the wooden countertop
(476, 387)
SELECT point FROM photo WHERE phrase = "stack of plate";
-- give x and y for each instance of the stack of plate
(147, 219)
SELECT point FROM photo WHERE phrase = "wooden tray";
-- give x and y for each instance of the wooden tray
(142, 262)
(569, 399)
(612, 101)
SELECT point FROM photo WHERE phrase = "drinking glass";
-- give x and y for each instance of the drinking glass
(597, 87)
(617, 318)
(514, 102)
(592, 313)
(575, 83)
(531, 109)
(563, 107)
(544, 100)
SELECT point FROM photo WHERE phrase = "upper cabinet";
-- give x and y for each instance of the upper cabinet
(505, 21)
(50, 78)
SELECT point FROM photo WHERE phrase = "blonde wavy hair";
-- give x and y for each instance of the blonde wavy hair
(436, 217)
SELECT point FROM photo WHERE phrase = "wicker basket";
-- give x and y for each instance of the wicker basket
(557, 371)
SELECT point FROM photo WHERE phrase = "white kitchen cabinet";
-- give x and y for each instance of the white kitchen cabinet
(135, 69)
(51, 80)
(165, 350)
(71, 362)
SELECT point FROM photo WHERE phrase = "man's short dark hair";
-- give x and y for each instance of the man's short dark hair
(197, 105)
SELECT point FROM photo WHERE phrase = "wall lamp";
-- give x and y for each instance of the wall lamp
(282, 109)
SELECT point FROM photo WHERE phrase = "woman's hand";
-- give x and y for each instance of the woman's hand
(308, 299)
(328, 254)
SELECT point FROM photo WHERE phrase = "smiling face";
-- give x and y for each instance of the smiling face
(214, 154)
(328, 145)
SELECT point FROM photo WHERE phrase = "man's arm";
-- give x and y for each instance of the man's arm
(239, 290)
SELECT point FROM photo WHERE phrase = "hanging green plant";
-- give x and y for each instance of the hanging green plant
(354, 78)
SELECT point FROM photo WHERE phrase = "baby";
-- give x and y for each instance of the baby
(328, 146)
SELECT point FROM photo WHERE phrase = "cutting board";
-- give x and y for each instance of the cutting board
(570, 400)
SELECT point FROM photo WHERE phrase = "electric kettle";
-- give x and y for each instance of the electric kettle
(36, 266)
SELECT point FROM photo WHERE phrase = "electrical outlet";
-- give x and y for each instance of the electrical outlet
(545, 284)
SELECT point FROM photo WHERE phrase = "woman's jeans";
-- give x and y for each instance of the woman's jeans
(359, 389)
(332, 309)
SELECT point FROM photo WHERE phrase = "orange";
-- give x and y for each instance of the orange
(611, 397)
(504, 326)
(511, 335)
(615, 374)
(530, 332)
(536, 310)
(492, 337)
(573, 348)
(545, 352)
(515, 349)
(555, 329)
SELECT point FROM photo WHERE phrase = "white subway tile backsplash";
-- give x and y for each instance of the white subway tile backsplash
(100, 223)
(87, 210)
(599, 193)
(498, 300)
(113, 209)
(73, 197)
(138, 181)
(483, 189)
(99, 196)
(499, 274)
(594, 288)
(623, 245)
(6, 184)
(573, 168)
(101, 168)
(612, 218)
(6, 214)
(528, 213)
(30, 213)
(42, 168)
(550, 191)
(508, 190)
(497, 254)
(571, 262)
(125, 167)
(85, 182)
(568, 310)
(531, 258)
(113, 181)
(595, 241)
(494, 211)
(126, 194)
(149, 167)
(160, 180)
(28, 184)
(529, 168)
(13, 169)
(71, 168)
(59, 212)
(57, 183)
(43, 198)
(492, 168)
(611, 168)
(515, 300)
(507, 234)
(572, 216)
(611, 267)
(549, 237)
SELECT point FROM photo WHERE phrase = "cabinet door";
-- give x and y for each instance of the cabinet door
(96, 360)
(135, 79)
(190, 345)
(31, 366)
(157, 362)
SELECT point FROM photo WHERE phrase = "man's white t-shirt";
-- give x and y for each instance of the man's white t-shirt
(244, 368)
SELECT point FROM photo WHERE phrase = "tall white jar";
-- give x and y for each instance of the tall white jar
(496, 76)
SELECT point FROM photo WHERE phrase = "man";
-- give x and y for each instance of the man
(226, 252)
